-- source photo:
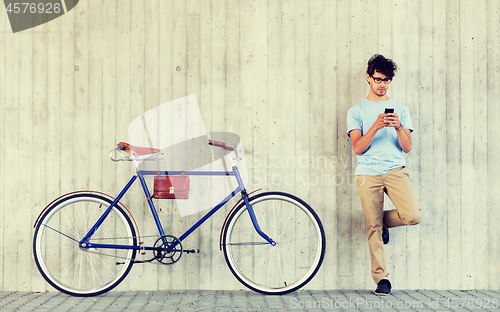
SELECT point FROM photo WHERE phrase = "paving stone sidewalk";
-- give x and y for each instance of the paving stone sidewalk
(327, 300)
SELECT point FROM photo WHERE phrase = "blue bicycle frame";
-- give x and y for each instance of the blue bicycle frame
(84, 243)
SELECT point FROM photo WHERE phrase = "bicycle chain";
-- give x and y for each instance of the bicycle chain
(119, 257)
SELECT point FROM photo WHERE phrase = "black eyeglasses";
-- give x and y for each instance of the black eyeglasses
(378, 80)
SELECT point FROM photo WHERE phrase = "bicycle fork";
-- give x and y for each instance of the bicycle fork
(250, 210)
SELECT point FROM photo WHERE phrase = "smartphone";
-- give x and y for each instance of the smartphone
(389, 110)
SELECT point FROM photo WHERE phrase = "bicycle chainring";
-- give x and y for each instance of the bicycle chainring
(163, 253)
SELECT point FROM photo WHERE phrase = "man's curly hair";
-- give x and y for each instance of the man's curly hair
(383, 65)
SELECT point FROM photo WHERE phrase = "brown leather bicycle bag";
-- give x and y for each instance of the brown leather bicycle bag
(171, 187)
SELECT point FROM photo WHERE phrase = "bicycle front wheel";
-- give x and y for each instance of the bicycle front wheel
(83, 271)
(299, 249)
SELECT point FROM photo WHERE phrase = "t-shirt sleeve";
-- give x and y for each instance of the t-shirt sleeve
(406, 120)
(353, 120)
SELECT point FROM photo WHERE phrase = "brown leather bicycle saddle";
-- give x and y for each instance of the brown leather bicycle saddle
(136, 150)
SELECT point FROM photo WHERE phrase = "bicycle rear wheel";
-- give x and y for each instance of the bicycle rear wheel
(292, 262)
(83, 271)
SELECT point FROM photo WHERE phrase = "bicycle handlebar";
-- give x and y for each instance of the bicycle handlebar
(221, 144)
(238, 153)
(123, 148)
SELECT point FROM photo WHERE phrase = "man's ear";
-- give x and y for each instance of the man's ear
(367, 78)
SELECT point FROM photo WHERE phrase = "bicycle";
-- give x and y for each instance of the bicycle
(86, 242)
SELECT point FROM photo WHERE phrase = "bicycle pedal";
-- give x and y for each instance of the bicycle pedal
(192, 251)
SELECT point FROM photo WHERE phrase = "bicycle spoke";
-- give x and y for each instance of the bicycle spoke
(291, 228)
(280, 260)
(286, 223)
(79, 217)
(302, 238)
(94, 270)
(269, 266)
(247, 257)
(106, 266)
(48, 227)
(79, 272)
(290, 260)
(69, 268)
(258, 264)
(71, 223)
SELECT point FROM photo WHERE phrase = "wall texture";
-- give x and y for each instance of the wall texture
(281, 74)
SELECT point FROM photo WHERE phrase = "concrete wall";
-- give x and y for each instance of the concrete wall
(282, 75)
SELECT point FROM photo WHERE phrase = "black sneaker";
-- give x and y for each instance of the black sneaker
(383, 287)
(385, 235)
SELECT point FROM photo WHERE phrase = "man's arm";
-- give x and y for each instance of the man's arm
(360, 142)
(404, 139)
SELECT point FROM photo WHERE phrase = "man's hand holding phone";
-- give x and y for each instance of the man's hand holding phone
(391, 119)
(388, 119)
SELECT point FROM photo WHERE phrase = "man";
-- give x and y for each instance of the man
(379, 138)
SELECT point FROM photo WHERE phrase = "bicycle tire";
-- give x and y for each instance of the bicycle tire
(79, 271)
(299, 251)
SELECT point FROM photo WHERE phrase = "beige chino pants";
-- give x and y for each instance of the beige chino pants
(396, 183)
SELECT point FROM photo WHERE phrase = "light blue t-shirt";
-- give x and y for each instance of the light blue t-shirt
(384, 153)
